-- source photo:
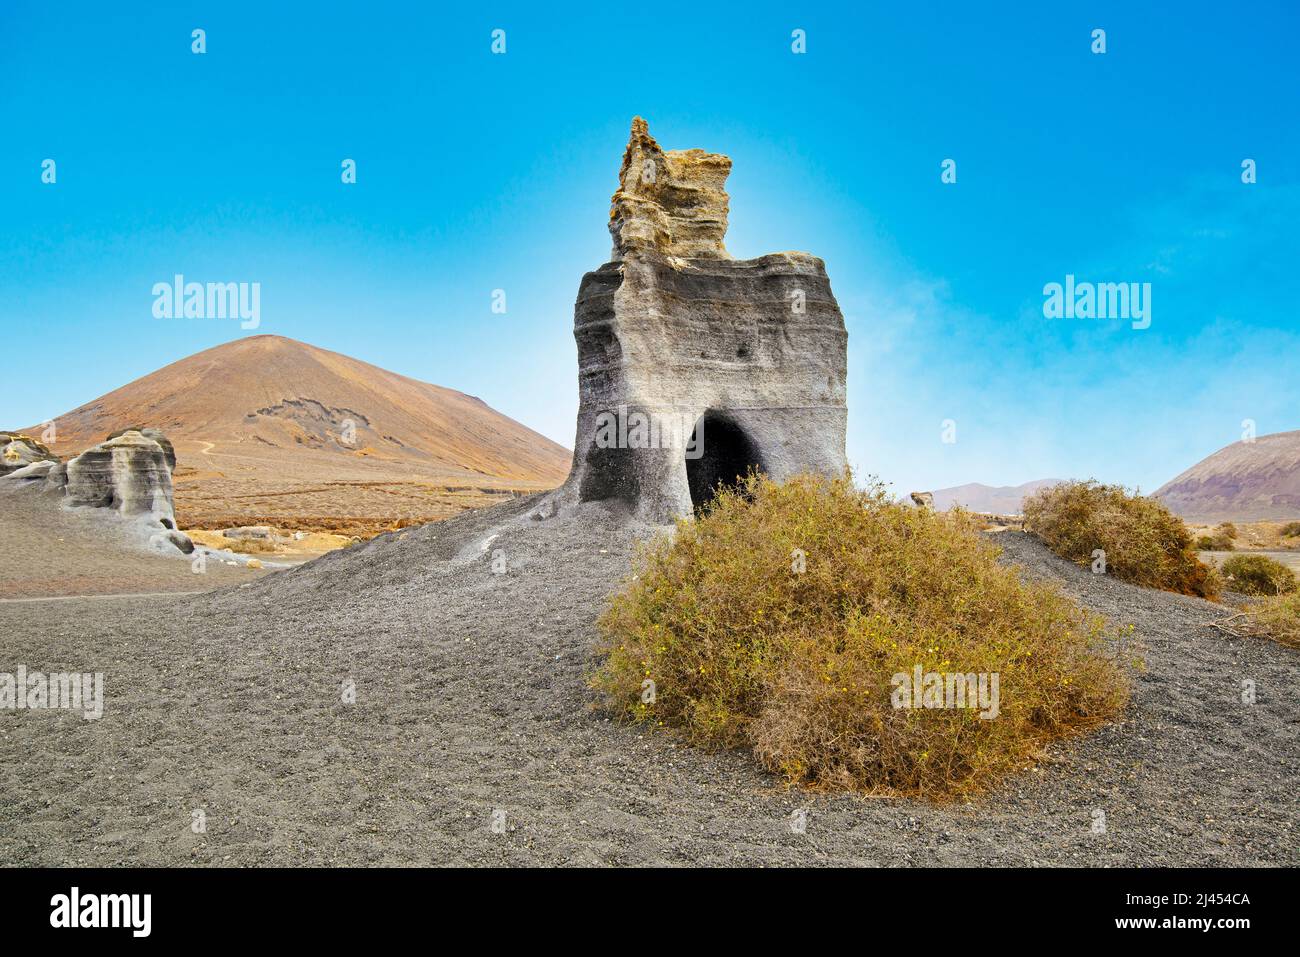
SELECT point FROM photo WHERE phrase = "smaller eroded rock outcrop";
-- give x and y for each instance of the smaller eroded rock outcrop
(129, 473)
(18, 451)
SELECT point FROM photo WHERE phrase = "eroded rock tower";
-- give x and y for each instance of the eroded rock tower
(694, 366)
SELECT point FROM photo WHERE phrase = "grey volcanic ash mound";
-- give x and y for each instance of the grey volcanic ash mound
(467, 643)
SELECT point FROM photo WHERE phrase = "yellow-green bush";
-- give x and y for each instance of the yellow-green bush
(723, 638)
(1143, 541)
(1258, 575)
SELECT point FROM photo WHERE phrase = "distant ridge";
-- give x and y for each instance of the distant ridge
(996, 499)
(1244, 481)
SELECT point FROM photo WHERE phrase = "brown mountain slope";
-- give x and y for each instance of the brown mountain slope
(1245, 481)
(272, 430)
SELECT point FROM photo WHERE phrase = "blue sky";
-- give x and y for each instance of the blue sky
(478, 172)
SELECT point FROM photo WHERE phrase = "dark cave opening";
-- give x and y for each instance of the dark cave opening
(726, 453)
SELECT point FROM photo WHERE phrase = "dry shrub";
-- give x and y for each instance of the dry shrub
(248, 546)
(1144, 542)
(1215, 542)
(1258, 575)
(1278, 618)
(213, 538)
(1222, 539)
(1289, 530)
(744, 650)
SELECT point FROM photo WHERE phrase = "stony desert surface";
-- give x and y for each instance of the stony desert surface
(51, 551)
(470, 700)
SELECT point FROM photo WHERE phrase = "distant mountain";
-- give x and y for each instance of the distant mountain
(1244, 481)
(997, 499)
(268, 429)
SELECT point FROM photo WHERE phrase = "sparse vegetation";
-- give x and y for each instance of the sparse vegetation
(779, 619)
(1278, 618)
(1143, 541)
(247, 546)
(1214, 542)
(1290, 530)
(314, 543)
(1222, 539)
(1258, 575)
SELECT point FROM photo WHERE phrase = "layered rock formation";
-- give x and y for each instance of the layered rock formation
(672, 203)
(156, 435)
(694, 367)
(129, 473)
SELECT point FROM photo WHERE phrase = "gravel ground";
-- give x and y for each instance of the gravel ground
(50, 550)
(470, 700)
